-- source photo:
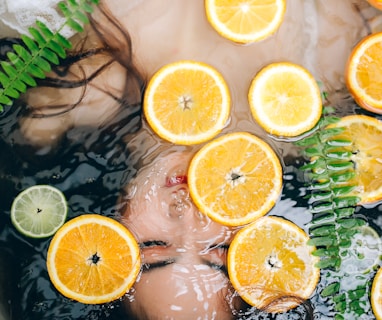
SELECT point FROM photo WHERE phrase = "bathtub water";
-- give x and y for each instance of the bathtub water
(90, 163)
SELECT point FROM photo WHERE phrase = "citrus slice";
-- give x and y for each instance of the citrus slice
(244, 21)
(187, 102)
(364, 253)
(285, 99)
(366, 135)
(376, 295)
(235, 178)
(39, 211)
(376, 3)
(93, 259)
(363, 73)
(271, 266)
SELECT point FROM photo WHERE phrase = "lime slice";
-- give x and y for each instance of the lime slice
(39, 211)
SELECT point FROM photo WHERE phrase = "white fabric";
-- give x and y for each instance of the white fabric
(16, 16)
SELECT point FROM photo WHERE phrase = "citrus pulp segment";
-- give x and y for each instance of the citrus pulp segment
(271, 266)
(93, 259)
(376, 295)
(363, 73)
(187, 102)
(235, 178)
(245, 21)
(285, 99)
(366, 135)
(39, 211)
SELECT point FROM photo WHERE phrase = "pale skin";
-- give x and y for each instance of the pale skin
(184, 273)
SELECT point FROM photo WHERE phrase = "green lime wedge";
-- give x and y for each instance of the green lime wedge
(39, 211)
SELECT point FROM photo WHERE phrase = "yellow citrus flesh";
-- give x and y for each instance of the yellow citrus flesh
(366, 135)
(376, 3)
(93, 259)
(235, 178)
(244, 21)
(376, 295)
(285, 99)
(364, 73)
(271, 265)
(187, 102)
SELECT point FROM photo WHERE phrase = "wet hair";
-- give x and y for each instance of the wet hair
(112, 42)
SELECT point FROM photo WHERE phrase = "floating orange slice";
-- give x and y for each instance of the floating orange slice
(93, 259)
(245, 21)
(363, 73)
(285, 99)
(366, 135)
(235, 178)
(187, 102)
(271, 265)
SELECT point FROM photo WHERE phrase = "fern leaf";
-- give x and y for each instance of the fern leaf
(41, 49)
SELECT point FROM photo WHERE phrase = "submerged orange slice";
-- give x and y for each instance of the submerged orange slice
(271, 265)
(363, 73)
(93, 259)
(366, 135)
(235, 178)
(187, 102)
(376, 295)
(285, 99)
(244, 21)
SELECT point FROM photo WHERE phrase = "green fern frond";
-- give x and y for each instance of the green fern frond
(333, 199)
(42, 49)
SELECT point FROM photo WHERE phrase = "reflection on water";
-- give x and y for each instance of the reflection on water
(90, 164)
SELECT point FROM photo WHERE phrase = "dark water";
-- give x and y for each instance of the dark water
(90, 165)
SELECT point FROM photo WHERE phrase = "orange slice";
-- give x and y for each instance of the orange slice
(271, 266)
(363, 73)
(93, 259)
(235, 178)
(187, 102)
(376, 3)
(376, 295)
(366, 134)
(245, 21)
(285, 99)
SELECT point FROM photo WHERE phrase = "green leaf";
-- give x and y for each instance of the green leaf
(331, 289)
(323, 230)
(50, 56)
(333, 262)
(344, 202)
(339, 143)
(322, 241)
(343, 190)
(35, 71)
(56, 48)
(4, 99)
(344, 212)
(62, 41)
(351, 222)
(23, 53)
(30, 44)
(75, 25)
(45, 31)
(322, 207)
(340, 166)
(8, 68)
(37, 37)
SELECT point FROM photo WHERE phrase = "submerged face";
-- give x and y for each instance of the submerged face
(183, 252)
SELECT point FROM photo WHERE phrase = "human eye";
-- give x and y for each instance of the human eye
(156, 254)
(216, 257)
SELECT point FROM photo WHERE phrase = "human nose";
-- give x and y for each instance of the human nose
(182, 204)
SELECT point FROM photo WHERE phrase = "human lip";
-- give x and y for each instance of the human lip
(176, 180)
